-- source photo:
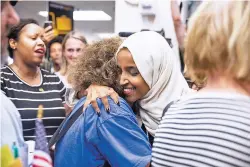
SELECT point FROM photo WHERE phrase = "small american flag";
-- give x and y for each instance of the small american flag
(41, 153)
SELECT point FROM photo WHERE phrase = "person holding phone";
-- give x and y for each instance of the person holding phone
(47, 37)
(27, 85)
(48, 32)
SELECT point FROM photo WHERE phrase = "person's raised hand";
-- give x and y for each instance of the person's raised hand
(48, 34)
(102, 92)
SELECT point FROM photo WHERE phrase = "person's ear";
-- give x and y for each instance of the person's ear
(13, 43)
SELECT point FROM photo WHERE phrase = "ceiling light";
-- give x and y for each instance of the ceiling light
(43, 13)
(86, 15)
(91, 15)
(106, 35)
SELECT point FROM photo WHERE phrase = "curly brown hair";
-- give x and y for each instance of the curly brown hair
(97, 66)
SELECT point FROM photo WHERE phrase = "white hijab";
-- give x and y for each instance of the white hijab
(157, 64)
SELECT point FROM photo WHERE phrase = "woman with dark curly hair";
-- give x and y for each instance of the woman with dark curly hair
(114, 137)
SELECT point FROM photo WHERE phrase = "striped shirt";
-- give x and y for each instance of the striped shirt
(50, 93)
(205, 129)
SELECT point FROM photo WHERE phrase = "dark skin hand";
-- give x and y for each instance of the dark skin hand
(48, 34)
(96, 91)
(102, 92)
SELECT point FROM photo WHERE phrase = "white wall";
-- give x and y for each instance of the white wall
(129, 19)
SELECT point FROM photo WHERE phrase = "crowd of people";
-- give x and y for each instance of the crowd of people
(125, 102)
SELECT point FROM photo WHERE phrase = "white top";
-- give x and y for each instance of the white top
(205, 129)
(70, 95)
(63, 79)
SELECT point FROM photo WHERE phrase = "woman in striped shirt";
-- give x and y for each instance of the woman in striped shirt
(212, 127)
(27, 85)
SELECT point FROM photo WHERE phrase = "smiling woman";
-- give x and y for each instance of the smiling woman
(93, 139)
(73, 46)
(133, 83)
(150, 76)
(27, 85)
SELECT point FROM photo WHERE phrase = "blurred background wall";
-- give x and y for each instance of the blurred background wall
(93, 30)
(126, 16)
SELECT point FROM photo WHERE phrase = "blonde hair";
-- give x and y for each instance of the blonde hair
(75, 35)
(218, 39)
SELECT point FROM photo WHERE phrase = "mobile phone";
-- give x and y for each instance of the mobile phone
(48, 23)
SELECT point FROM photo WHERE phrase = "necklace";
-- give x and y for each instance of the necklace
(19, 73)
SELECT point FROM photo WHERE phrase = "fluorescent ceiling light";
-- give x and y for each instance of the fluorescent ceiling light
(106, 35)
(90, 15)
(43, 13)
(86, 15)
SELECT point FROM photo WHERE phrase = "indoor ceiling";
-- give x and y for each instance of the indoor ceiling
(30, 9)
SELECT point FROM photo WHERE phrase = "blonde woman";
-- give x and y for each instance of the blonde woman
(73, 46)
(212, 126)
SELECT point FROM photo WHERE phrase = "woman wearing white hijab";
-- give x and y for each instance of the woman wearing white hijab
(150, 53)
(150, 77)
